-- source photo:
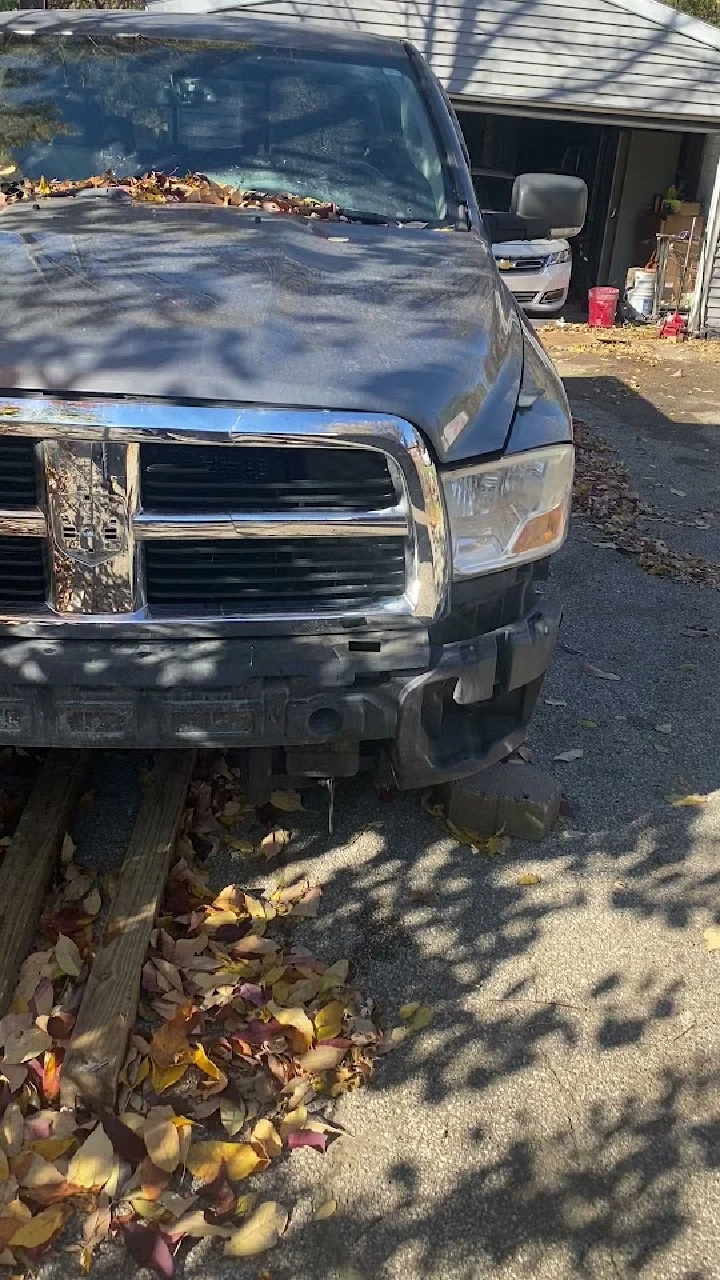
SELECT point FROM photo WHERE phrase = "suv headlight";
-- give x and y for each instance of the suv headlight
(562, 255)
(507, 512)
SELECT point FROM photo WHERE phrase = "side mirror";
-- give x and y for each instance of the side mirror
(558, 202)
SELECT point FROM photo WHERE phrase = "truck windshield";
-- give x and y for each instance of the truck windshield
(347, 129)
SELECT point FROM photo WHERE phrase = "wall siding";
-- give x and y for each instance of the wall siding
(598, 57)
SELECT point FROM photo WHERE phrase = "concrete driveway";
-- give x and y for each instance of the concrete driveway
(560, 1116)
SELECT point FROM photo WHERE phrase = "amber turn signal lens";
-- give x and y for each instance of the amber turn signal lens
(539, 532)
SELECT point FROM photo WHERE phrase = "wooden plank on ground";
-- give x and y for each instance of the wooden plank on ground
(26, 868)
(107, 1013)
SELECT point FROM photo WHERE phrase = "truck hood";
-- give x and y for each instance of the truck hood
(103, 297)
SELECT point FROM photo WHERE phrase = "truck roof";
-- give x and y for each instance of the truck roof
(222, 24)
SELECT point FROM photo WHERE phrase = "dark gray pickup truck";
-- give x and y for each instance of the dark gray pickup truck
(281, 465)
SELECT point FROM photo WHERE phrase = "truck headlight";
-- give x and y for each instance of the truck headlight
(507, 512)
(562, 255)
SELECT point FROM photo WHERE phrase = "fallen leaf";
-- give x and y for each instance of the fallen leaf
(307, 1138)
(679, 493)
(588, 724)
(163, 1143)
(329, 1020)
(206, 1160)
(323, 1058)
(11, 1129)
(598, 672)
(527, 879)
(170, 1043)
(31, 1044)
(555, 702)
(67, 853)
(165, 1077)
(67, 956)
(663, 728)
(39, 1230)
(274, 842)
(93, 1162)
(326, 1210)
(418, 1018)
(299, 1028)
(253, 945)
(566, 757)
(195, 1224)
(260, 1233)
(686, 802)
(267, 1135)
(712, 937)
(148, 1248)
(232, 1117)
(286, 801)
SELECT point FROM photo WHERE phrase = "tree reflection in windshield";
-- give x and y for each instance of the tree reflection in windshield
(351, 132)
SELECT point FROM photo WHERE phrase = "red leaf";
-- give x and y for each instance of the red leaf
(307, 1138)
(257, 1033)
(60, 1025)
(149, 1249)
(125, 1142)
(221, 1199)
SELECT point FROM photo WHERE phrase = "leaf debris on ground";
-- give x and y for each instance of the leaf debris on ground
(242, 1041)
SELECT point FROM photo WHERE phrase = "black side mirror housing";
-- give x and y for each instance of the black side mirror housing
(556, 201)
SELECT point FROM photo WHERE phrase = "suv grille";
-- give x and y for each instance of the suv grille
(18, 487)
(251, 478)
(262, 572)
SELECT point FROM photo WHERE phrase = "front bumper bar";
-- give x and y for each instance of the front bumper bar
(442, 712)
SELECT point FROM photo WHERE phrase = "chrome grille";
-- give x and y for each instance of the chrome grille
(509, 265)
(22, 571)
(260, 572)
(163, 514)
(18, 484)
(215, 479)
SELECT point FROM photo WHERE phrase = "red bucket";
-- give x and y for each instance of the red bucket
(602, 307)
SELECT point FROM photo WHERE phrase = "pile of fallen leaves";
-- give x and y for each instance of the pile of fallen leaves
(603, 494)
(242, 1042)
(163, 188)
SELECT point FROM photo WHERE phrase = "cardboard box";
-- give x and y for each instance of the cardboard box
(674, 224)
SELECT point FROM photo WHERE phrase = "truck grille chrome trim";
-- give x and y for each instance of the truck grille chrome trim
(89, 463)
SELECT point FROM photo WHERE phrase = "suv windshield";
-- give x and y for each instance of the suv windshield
(352, 130)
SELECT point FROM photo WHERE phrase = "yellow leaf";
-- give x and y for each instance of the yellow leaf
(686, 802)
(51, 1147)
(712, 938)
(67, 956)
(40, 1173)
(274, 842)
(206, 1159)
(93, 1162)
(329, 1020)
(163, 1144)
(261, 1231)
(39, 1229)
(529, 878)
(287, 801)
(207, 1066)
(253, 945)
(12, 1129)
(267, 1135)
(254, 907)
(420, 1018)
(164, 1077)
(296, 1119)
(326, 1210)
(195, 1224)
(299, 1026)
(335, 975)
(232, 1117)
(324, 1058)
(407, 1010)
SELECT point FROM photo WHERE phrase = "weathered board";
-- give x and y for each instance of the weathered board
(107, 1013)
(26, 868)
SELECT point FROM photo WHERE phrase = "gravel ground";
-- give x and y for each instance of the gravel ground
(560, 1117)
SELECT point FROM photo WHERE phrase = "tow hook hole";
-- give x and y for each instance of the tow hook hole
(324, 722)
